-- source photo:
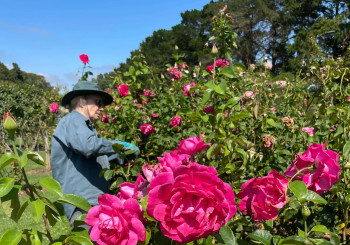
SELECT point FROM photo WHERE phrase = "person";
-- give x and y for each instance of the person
(78, 154)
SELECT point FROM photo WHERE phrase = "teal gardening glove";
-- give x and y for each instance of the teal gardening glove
(128, 146)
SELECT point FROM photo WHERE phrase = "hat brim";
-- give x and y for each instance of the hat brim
(106, 97)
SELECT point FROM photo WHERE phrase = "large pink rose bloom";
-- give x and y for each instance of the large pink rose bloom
(263, 197)
(324, 169)
(138, 190)
(116, 222)
(191, 202)
(54, 107)
(192, 145)
(123, 90)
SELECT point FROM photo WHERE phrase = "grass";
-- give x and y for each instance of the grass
(26, 221)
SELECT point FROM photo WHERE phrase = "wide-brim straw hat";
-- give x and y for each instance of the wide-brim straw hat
(83, 88)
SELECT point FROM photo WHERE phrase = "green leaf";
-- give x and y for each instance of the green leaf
(206, 96)
(11, 237)
(314, 197)
(6, 159)
(117, 147)
(297, 240)
(21, 209)
(36, 157)
(23, 159)
(241, 115)
(36, 238)
(38, 209)
(271, 122)
(262, 236)
(242, 153)
(78, 240)
(346, 149)
(320, 228)
(6, 185)
(232, 102)
(221, 89)
(75, 200)
(227, 235)
(299, 189)
(51, 186)
(228, 72)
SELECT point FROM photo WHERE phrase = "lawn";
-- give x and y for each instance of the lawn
(35, 172)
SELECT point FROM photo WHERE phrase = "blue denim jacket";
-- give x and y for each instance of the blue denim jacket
(77, 157)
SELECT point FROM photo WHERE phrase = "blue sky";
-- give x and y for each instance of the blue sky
(47, 36)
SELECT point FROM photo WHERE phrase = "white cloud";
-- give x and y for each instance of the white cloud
(27, 29)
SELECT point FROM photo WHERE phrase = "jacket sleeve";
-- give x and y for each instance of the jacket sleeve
(85, 141)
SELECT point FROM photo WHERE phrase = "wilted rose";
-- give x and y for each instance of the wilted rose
(84, 58)
(262, 197)
(192, 145)
(191, 202)
(176, 121)
(147, 129)
(54, 107)
(321, 169)
(116, 222)
(123, 90)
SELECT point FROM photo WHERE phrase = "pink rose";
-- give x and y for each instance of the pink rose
(147, 129)
(209, 109)
(123, 90)
(172, 160)
(138, 190)
(272, 108)
(192, 202)
(268, 65)
(310, 131)
(176, 121)
(262, 197)
(116, 222)
(210, 68)
(54, 107)
(175, 73)
(147, 93)
(150, 171)
(348, 99)
(184, 66)
(104, 118)
(321, 168)
(281, 83)
(84, 58)
(155, 115)
(153, 94)
(192, 146)
(222, 63)
(187, 88)
(248, 94)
